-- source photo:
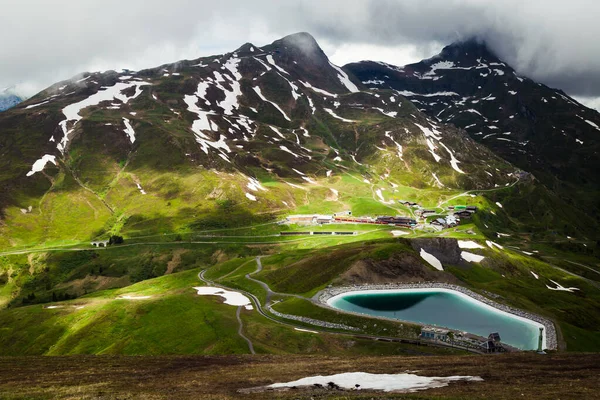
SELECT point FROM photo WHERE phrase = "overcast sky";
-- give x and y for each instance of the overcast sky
(44, 41)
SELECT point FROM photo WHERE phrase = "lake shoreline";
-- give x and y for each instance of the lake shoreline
(324, 296)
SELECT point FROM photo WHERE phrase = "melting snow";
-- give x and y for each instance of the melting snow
(343, 77)
(592, 124)
(142, 191)
(129, 130)
(36, 105)
(203, 123)
(251, 197)
(469, 244)
(391, 114)
(263, 98)
(326, 93)
(499, 205)
(437, 180)
(40, 164)
(255, 185)
(561, 288)
(453, 161)
(431, 150)
(407, 93)
(288, 151)
(330, 111)
(492, 244)
(305, 330)
(385, 382)
(127, 297)
(432, 260)
(536, 276)
(272, 62)
(470, 257)
(231, 298)
(71, 111)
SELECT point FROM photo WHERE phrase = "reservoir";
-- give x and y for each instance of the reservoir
(444, 308)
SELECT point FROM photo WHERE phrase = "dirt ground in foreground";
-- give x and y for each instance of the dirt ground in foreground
(508, 376)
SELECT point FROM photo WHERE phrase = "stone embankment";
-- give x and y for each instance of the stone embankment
(311, 321)
(549, 329)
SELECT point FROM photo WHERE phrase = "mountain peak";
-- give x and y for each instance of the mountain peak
(473, 48)
(303, 43)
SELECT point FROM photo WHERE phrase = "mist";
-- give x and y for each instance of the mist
(550, 41)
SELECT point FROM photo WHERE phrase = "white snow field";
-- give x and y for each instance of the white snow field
(469, 244)
(432, 260)
(385, 382)
(231, 298)
(470, 257)
(71, 112)
(330, 111)
(40, 164)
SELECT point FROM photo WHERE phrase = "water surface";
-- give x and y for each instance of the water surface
(445, 308)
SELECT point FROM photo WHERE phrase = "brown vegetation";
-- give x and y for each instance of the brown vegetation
(526, 376)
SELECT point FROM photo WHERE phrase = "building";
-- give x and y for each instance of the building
(463, 214)
(323, 219)
(300, 219)
(427, 213)
(430, 333)
(472, 208)
(493, 344)
(451, 221)
(397, 220)
(439, 222)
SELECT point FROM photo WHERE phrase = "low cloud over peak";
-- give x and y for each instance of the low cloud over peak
(550, 41)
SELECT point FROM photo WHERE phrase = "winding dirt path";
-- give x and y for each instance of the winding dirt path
(241, 330)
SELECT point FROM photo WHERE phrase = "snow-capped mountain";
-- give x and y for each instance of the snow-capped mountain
(9, 98)
(217, 126)
(539, 129)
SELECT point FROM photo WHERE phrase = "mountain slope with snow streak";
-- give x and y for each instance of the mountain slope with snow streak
(538, 129)
(269, 112)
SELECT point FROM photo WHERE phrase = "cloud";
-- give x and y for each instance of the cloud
(45, 41)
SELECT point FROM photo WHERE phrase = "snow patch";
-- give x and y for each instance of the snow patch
(128, 297)
(142, 191)
(561, 288)
(469, 244)
(40, 164)
(491, 244)
(343, 77)
(432, 260)
(385, 382)
(536, 276)
(330, 111)
(470, 257)
(71, 112)
(263, 98)
(231, 298)
(324, 92)
(305, 330)
(129, 130)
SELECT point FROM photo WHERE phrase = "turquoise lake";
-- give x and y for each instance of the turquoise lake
(443, 308)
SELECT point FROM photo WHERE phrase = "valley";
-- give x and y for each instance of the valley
(204, 207)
